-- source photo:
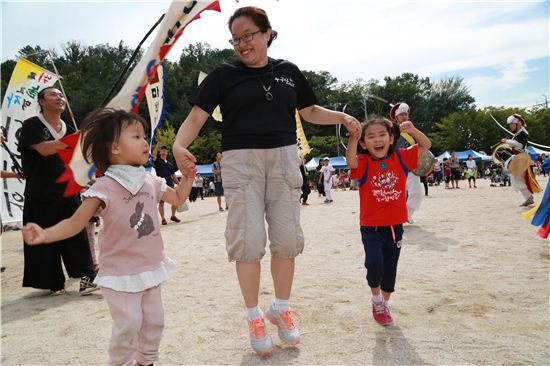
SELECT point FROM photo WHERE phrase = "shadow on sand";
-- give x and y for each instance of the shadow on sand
(392, 348)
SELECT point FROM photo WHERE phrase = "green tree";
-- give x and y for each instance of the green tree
(182, 78)
(538, 125)
(321, 83)
(409, 88)
(205, 146)
(445, 97)
(323, 146)
(166, 135)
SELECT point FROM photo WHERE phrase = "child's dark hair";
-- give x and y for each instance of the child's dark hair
(392, 128)
(100, 129)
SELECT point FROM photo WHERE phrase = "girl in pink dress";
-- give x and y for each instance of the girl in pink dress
(132, 263)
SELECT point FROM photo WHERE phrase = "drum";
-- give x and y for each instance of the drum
(519, 164)
(426, 161)
(502, 153)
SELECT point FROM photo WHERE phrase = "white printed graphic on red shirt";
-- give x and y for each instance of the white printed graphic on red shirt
(384, 184)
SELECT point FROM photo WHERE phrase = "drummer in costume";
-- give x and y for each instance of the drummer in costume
(400, 113)
(519, 163)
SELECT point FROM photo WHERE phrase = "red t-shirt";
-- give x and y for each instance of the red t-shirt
(383, 193)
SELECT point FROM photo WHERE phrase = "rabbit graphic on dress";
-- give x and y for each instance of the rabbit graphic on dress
(141, 222)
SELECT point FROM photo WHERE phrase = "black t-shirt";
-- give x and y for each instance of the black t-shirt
(41, 172)
(249, 120)
(165, 169)
(521, 137)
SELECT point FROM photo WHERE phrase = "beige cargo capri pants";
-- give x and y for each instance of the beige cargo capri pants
(262, 183)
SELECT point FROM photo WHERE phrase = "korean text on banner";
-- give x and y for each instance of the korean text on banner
(20, 102)
(155, 99)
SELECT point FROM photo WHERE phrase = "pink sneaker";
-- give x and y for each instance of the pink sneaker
(380, 313)
(389, 318)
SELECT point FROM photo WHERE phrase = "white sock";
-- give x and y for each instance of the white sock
(377, 298)
(254, 313)
(281, 305)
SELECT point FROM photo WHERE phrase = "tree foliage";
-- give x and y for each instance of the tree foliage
(445, 109)
(475, 128)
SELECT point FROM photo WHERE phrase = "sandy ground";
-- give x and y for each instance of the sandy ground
(472, 289)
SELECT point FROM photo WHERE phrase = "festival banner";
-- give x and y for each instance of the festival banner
(155, 100)
(20, 102)
(178, 16)
(301, 140)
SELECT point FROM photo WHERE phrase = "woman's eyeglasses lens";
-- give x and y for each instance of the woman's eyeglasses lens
(248, 37)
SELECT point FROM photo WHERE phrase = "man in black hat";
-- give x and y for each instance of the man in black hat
(166, 170)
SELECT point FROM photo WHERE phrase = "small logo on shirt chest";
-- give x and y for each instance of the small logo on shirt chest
(285, 80)
(383, 166)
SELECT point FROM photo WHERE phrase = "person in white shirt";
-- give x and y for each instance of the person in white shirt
(471, 170)
(326, 175)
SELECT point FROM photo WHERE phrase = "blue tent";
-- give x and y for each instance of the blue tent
(463, 156)
(337, 162)
(204, 170)
(444, 154)
(534, 152)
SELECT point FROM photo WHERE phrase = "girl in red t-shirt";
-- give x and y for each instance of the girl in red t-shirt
(382, 175)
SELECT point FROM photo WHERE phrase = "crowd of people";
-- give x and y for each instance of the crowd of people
(259, 178)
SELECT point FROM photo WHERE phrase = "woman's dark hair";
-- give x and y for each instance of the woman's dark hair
(100, 129)
(258, 17)
(392, 128)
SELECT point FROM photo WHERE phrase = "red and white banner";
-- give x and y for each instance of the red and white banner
(178, 16)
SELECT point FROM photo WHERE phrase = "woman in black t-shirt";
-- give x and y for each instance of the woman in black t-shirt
(258, 97)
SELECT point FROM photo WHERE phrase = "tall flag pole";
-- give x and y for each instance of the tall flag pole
(71, 114)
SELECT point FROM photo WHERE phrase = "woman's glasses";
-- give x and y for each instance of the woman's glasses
(247, 37)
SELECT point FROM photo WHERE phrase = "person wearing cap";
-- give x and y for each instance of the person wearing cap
(326, 175)
(518, 165)
(166, 170)
(400, 113)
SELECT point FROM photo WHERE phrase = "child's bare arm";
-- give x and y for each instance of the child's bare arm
(33, 234)
(351, 152)
(177, 196)
(423, 141)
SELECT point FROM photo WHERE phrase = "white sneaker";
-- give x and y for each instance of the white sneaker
(528, 201)
(288, 332)
(259, 340)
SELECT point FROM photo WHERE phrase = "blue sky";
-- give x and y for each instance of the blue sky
(500, 48)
